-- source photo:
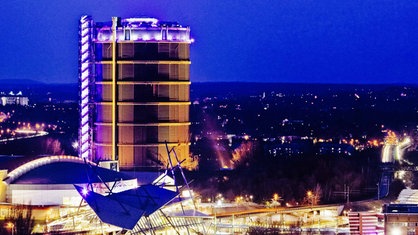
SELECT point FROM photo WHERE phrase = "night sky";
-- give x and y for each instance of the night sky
(348, 41)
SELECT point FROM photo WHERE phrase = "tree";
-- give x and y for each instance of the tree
(313, 198)
(20, 220)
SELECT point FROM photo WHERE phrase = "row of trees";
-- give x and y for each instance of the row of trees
(19, 220)
(329, 178)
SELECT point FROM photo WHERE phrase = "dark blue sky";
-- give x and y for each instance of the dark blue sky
(350, 41)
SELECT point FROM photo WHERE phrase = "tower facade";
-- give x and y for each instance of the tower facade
(135, 91)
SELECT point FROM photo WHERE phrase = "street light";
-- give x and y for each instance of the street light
(11, 226)
(276, 197)
(395, 231)
(310, 196)
(275, 200)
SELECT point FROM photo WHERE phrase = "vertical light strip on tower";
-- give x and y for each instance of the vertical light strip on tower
(114, 96)
(85, 76)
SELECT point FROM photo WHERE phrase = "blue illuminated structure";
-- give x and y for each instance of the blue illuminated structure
(125, 209)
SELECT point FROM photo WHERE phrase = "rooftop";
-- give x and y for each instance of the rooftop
(62, 170)
(139, 29)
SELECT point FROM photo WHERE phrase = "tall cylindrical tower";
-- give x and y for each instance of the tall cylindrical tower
(141, 86)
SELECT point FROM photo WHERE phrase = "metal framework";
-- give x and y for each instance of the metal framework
(146, 209)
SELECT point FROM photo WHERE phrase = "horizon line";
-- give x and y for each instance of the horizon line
(35, 82)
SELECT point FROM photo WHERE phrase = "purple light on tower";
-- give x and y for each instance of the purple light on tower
(85, 77)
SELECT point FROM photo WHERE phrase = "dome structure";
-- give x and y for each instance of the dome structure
(50, 181)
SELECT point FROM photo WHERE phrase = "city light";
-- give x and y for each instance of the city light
(75, 145)
(22, 131)
(84, 191)
(394, 147)
(11, 226)
(276, 197)
(134, 95)
(396, 231)
(187, 193)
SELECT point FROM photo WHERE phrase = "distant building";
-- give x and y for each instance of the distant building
(134, 87)
(293, 148)
(365, 223)
(14, 99)
(50, 181)
(401, 219)
(335, 149)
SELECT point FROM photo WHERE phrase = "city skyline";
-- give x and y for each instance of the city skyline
(268, 41)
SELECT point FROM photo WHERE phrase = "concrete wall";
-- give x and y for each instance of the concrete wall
(41, 195)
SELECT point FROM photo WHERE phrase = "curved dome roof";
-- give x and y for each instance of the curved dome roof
(62, 170)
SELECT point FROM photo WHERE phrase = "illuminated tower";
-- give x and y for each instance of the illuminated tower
(134, 88)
